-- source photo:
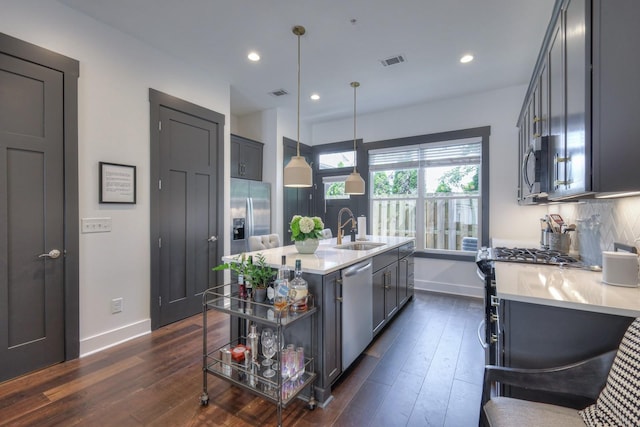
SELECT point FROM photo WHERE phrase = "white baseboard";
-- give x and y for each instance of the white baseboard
(450, 288)
(113, 337)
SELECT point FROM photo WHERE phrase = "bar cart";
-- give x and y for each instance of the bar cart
(279, 389)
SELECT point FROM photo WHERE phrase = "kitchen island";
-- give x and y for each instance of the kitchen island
(389, 286)
(553, 315)
(327, 257)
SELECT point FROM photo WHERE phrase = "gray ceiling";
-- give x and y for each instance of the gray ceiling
(503, 35)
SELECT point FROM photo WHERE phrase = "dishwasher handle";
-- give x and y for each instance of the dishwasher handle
(357, 268)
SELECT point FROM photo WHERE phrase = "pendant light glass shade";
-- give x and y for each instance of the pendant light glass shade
(298, 173)
(354, 183)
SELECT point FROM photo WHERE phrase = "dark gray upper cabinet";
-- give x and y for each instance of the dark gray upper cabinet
(246, 158)
(615, 123)
(585, 80)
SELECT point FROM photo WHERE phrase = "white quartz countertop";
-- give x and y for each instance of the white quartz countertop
(327, 258)
(565, 288)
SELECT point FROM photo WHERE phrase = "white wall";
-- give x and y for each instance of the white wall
(116, 72)
(498, 109)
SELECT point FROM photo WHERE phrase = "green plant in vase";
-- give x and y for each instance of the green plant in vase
(260, 275)
(238, 266)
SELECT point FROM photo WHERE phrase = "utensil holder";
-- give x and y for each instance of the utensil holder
(560, 242)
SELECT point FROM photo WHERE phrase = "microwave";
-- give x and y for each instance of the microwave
(535, 171)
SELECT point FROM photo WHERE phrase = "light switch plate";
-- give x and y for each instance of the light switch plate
(96, 225)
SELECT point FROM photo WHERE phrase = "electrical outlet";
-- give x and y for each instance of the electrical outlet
(116, 305)
(96, 225)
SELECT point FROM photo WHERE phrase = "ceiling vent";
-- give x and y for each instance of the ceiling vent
(398, 59)
(279, 92)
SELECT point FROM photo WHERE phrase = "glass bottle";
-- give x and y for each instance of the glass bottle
(282, 279)
(299, 289)
(242, 291)
(273, 286)
(247, 280)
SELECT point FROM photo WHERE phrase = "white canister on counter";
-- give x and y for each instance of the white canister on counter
(620, 269)
(362, 228)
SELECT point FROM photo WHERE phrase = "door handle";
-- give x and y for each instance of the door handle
(215, 238)
(53, 254)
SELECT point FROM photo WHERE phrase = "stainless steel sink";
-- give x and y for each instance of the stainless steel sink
(360, 246)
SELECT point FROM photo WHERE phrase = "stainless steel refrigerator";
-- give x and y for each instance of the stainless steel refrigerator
(250, 212)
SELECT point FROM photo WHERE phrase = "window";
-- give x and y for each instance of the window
(334, 187)
(430, 191)
(343, 159)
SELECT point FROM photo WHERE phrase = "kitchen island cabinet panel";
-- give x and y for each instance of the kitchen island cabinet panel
(405, 273)
(385, 295)
(328, 335)
(332, 326)
(385, 288)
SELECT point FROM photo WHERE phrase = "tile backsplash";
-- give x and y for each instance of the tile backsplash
(600, 223)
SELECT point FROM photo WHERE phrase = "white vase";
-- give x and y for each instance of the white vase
(307, 246)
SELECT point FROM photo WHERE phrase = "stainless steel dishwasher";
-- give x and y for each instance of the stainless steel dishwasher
(357, 310)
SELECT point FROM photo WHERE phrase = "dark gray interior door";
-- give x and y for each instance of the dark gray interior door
(31, 217)
(296, 201)
(188, 206)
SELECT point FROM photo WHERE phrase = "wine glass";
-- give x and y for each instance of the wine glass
(268, 340)
(268, 350)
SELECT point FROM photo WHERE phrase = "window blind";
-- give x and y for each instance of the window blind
(467, 151)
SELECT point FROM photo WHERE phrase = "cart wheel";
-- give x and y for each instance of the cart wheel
(204, 399)
(311, 404)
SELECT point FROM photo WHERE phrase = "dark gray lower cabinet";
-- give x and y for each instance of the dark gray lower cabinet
(332, 321)
(391, 290)
(405, 274)
(541, 336)
(385, 288)
(327, 292)
(379, 280)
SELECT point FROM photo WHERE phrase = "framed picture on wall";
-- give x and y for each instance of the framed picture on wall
(117, 183)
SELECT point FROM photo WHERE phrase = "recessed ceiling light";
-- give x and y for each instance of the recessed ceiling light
(253, 56)
(466, 58)
(315, 96)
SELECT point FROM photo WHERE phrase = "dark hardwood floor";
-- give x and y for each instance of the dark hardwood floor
(424, 369)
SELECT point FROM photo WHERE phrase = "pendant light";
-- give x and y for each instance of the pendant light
(298, 173)
(354, 183)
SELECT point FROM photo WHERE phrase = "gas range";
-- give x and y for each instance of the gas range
(524, 255)
(532, 256)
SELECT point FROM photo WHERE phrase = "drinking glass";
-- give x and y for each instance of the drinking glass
(291, 362)
(284, 355)
(268, 350)
(299, 361)
(268, 340)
